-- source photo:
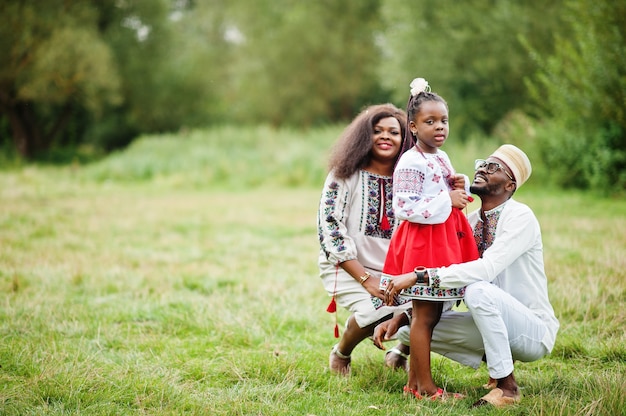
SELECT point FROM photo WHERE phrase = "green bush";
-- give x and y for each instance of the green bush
(574, 159)
(223, 157)
(581, 90)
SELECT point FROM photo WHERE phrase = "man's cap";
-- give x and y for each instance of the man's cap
(516, 160)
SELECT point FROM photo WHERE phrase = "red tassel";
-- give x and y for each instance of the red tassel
(332, 306)
(384, 223)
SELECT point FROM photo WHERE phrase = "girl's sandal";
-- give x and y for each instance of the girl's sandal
(440, 395)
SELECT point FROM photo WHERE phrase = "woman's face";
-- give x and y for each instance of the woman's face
(387, 139)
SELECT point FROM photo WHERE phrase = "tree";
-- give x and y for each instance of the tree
(580, 95)
(47, 74)
(303, 63)
(469, 52)
(104, 72)
(158, 56)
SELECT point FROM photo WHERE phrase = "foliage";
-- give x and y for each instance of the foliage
(302, 63)
(46, 74)
(101, 72)
(98, 74)
(580, 93)
(167, 64)
(166, 60)
(469, 52)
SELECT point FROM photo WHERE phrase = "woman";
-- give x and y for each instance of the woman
(355, 223)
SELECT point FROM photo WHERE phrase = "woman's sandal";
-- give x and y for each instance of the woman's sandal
(397, 360)
(440, 395)
(339, 363)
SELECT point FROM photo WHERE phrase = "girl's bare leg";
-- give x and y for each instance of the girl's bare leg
(426, 315)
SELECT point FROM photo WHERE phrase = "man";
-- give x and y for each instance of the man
(509, 314)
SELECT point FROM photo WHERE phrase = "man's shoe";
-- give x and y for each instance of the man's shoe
(497, 398)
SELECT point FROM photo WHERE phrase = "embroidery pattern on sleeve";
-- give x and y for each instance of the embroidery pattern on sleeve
(409, 181)
(332, 225)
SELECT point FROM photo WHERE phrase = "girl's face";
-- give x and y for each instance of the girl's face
(386, 140)
(430, 125)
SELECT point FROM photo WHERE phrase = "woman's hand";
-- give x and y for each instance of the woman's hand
(396, 285)
(372, 285)
(357, 271)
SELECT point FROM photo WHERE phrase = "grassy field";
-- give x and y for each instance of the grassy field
(166, 280)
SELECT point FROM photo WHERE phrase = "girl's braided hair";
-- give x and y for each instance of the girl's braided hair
(414, 104)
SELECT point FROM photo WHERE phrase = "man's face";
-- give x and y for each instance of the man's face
(491, 177)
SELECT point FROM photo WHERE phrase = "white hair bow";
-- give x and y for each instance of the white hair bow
(419, 85)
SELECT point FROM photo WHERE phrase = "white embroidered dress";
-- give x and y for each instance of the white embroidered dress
(350, 224)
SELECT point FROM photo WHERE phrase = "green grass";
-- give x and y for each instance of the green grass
(177, 292)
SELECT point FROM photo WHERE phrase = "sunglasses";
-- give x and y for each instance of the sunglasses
(490, 167)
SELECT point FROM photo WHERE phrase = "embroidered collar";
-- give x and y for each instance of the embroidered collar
(493, 212)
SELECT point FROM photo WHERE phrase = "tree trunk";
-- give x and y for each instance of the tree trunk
(59, 125)
(28, 137)
(26, 134)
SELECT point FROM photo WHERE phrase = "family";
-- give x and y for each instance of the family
(397, 251)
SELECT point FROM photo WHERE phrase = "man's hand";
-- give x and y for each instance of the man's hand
(386, 330)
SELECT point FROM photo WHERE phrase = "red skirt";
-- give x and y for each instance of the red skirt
(431, 245)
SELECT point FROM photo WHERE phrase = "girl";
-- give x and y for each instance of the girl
(429, 197)
(355, 222)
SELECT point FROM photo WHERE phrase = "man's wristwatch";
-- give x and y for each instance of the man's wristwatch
(422, 275)
(366, 276)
